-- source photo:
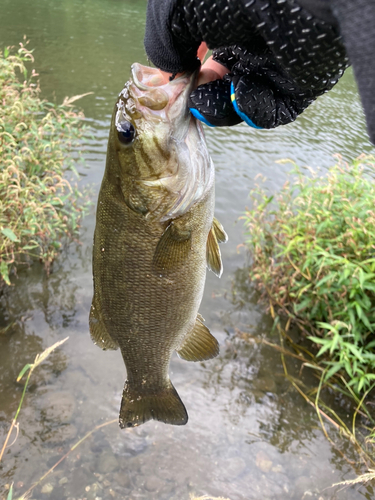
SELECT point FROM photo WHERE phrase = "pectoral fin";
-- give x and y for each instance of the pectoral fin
(199, 344)
(99, 333)
(213, 255)
(173, 249)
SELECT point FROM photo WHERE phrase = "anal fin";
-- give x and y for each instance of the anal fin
(164, 405)
(99, 333)
(199, 344)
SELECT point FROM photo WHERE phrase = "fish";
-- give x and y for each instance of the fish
(155, 236)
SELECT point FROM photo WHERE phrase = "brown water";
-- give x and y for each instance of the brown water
(250, 435)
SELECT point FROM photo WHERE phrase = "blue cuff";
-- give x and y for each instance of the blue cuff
(200, 117)
(244, 117)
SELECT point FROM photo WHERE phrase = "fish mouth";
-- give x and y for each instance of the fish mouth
(145, 77)
(153, 92)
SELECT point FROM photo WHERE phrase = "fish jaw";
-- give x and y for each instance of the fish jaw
(162, 101)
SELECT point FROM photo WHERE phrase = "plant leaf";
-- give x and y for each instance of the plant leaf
(9, 234)
(334, 369)
(4, 272)
(23, 371)
(10, 494)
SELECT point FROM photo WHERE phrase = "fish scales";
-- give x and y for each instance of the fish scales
(151, 244)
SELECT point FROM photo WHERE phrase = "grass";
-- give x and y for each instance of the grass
(313, 259)
(359, 433)
(40, 209)
(27, 368)
(312, 247)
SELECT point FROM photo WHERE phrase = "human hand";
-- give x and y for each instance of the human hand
(271, 73)
(220, 106)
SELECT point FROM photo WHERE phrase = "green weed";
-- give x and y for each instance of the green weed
(313, 258)
(27, 368)
(39, 208)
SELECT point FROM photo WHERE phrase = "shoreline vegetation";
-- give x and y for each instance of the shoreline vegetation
(40, 207)
(312, 251)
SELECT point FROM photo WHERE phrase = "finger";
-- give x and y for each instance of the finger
(211, 71)
(202, 51)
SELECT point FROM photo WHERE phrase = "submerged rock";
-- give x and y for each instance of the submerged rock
(58, 407)
(122, 479)
(264, 384)
(60, 434)
(47, 488)
(233, 467)
(107, 462)
(263, 461)
(153, 483)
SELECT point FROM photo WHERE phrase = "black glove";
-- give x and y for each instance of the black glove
(281, 54)
(257, 90)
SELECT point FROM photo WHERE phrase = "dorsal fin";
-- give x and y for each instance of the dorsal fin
(215, 236)
(220, 234)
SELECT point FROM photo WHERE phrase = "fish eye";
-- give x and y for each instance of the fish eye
(126, 132)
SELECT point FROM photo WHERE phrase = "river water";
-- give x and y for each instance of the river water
(249, 435)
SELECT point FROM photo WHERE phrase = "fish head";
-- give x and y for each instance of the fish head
(157, 140)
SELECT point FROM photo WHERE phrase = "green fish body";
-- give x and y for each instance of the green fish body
(155, 235)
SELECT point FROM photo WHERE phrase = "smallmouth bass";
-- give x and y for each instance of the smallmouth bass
(155, 235)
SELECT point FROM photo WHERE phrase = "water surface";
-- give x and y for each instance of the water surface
(250, 435)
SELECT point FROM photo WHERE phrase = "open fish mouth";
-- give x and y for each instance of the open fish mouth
(145, 77)
(153, 92)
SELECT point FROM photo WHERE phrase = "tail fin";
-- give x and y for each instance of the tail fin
(164, 405)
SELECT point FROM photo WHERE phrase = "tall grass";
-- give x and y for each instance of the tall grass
(39, 208)
(313, 258)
